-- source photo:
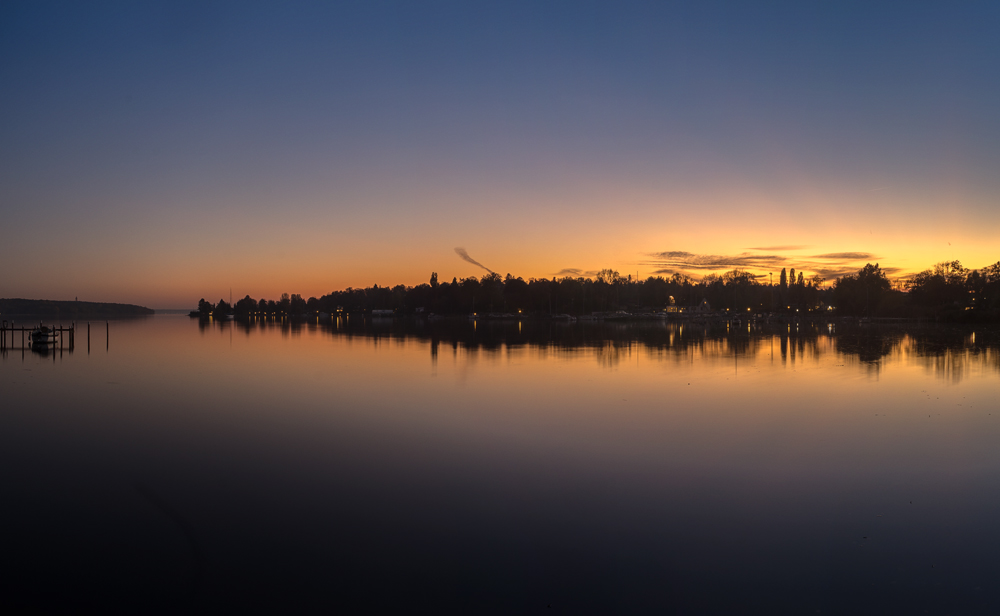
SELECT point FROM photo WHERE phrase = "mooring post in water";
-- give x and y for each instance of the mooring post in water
(107, 333)
(88, 337)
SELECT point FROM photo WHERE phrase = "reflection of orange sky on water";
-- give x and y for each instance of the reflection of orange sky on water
(795, 405)
(783, 397)
(292, 349)
(285, 344)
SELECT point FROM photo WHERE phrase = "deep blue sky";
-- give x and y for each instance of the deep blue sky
(541, 136)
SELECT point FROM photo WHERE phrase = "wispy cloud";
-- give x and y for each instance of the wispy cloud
(679, 259)
(830, 273)
(779, 248)
(847, 256)
(576, 272)
(461, 252)
(830, 265)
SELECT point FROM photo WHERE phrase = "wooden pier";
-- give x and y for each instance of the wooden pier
(15, 337)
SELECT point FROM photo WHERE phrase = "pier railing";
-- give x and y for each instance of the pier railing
(14, 337)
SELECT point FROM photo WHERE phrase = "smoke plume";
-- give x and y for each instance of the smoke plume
(465, 257)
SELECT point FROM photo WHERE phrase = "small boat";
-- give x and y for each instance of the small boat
(43, 336)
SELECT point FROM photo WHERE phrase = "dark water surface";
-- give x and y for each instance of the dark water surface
(506, 467)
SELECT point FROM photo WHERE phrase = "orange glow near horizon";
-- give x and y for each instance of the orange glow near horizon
(568, 226)
(313, 260)
(280, 163)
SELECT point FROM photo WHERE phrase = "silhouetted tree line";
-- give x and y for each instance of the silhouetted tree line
(946, 291)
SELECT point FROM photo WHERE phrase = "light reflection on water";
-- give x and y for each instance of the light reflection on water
(468, 466)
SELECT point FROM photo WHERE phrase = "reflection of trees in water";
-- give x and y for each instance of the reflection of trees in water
(949, 352)
(949, 365)
(869, 345)
(954, 353)
(613, 353)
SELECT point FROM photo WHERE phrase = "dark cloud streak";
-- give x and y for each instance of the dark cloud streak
(465, 257)
(576, 272)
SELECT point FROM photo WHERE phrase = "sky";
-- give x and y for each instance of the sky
(157, 153)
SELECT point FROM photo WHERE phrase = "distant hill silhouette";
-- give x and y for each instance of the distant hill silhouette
(70, 309)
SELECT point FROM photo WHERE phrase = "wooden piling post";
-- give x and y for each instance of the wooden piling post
(107, 333)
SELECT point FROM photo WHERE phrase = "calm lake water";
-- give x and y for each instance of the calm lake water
(508, 467)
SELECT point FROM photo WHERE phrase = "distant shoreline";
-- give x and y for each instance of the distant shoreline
(70, 308)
